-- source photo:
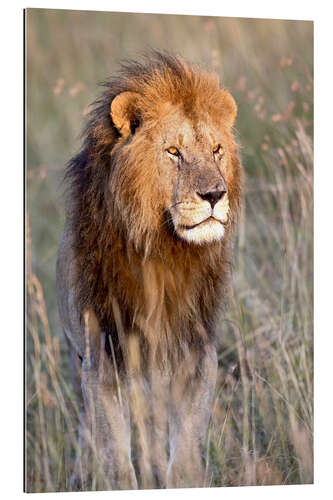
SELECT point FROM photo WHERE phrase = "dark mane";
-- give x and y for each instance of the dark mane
(107, 262)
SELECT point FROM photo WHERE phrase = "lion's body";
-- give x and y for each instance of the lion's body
(145, 259)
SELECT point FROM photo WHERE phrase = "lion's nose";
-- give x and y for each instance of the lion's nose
(213, 196)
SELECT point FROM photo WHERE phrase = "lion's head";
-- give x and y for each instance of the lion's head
(173, 160)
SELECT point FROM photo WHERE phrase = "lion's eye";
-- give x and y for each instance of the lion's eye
(218, 149)
(173, 151)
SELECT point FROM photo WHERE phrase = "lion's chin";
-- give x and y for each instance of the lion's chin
(208, 231)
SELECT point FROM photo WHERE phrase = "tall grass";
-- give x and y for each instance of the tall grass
(262, 423)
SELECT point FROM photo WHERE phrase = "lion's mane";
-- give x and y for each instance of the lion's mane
(122, 247)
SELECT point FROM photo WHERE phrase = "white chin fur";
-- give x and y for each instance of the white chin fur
(207, 232)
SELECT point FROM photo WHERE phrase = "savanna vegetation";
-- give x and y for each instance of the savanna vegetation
(261, 428)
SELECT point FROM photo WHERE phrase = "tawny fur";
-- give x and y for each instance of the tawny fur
(144, 268)
(122, 245)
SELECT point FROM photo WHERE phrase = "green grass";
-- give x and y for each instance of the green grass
(262, 423)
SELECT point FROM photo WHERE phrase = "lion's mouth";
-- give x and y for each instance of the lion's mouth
(209, 219)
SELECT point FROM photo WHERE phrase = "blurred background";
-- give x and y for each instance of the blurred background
(262, 424)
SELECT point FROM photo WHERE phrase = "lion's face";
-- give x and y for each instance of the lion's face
(192, 160)
(179, 167)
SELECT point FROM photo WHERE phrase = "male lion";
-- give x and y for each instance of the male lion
(143, 269)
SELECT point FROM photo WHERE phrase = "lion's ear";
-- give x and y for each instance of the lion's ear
(229, 107)
(124, 112)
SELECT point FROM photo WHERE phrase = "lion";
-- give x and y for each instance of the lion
(144, 268)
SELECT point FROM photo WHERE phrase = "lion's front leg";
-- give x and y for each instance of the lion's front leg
(192, 393)
(108, 431)
(107, 418)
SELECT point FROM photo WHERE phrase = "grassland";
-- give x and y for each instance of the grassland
(262, 424)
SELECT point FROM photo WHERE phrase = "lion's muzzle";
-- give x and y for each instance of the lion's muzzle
(202, 220)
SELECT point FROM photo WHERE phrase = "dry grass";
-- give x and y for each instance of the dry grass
(262, 423)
